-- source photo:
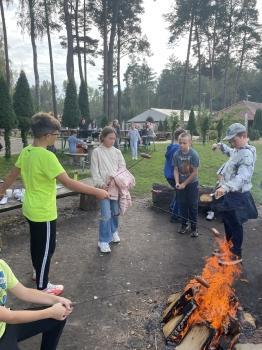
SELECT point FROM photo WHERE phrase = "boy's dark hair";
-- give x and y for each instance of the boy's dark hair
(73, 132)
(106, 131)
(178, 132)
(43, 124)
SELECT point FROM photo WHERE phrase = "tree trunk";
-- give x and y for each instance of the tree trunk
(212, 63)
(119, 92)
(78, 43)
(230, 24)
(239, 71)
(51, 59)
(186, 66)
(7, 142)
(111, 61)
(24, 137)
(199, 66)
(7, 66)
(105, 54)
(70, 50)
(85, 58)
(33, 36)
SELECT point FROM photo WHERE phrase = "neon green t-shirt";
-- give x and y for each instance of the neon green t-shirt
(39, 169)
(7, 281)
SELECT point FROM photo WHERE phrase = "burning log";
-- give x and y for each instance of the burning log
(197, 338)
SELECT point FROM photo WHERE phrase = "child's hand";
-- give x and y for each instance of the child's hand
(220, 192)
(215, 146)
(180, 186)
(66, 303)
(101, 194)
(58, 312)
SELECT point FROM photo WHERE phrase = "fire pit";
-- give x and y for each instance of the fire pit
(204, 316)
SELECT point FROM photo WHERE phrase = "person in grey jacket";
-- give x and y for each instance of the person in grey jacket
(234, 199)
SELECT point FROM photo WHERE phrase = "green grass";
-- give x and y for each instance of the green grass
(151, 171)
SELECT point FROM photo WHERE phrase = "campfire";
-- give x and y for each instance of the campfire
(204, 316)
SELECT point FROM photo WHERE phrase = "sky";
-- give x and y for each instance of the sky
(153, 26)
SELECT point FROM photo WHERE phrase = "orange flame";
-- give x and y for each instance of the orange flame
(215, 304)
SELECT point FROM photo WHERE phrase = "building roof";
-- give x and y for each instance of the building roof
(158, 115)
(241, 108)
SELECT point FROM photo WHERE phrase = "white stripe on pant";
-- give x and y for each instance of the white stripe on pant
(46, 254)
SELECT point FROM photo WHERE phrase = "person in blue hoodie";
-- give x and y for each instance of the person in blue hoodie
(169, 171)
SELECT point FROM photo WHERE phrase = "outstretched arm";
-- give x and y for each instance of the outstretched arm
(80, 187)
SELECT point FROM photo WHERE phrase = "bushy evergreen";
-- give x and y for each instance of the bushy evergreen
(71, 113)
(83, 102)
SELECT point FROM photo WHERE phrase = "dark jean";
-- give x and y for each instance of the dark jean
(188, 204)
(236, 208)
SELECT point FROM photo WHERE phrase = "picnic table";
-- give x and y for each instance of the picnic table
(85, 157)
(86, 202)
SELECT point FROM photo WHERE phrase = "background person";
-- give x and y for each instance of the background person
(134, 139)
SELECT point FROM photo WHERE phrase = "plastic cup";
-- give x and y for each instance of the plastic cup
(9, 193)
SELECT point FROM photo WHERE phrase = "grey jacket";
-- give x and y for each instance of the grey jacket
(238, 170)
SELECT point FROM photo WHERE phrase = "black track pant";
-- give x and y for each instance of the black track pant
(14, 333)
(42, 244)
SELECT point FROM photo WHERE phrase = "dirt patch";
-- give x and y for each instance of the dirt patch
(132, 283)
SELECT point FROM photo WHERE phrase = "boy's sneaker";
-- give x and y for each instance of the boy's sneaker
(183, 229)
(210, 216)
(104, 247)
(55, 289)
(194, 233)
(232, 260)
(116, 238)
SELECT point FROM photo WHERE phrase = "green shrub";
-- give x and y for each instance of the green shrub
(253, 134)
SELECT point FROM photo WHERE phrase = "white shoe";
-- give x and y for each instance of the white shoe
(210, 215)
(104, 247)
(116, 238)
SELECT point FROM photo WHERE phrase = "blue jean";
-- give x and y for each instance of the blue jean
(188, 204)
(108, 223)
(133, 146)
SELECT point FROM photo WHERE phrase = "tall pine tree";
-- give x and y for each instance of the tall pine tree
(7, 116)
(83, 102)
(191, 125)
(23, 106)
(71, 114)
(257, 125)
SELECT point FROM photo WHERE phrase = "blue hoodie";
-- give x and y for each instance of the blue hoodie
(169, 163)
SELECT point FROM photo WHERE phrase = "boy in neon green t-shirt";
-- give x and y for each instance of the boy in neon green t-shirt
(39, 169)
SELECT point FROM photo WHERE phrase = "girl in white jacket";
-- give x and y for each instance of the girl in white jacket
(106, 161)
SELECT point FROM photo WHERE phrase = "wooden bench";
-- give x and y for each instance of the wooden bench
(87, 202)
